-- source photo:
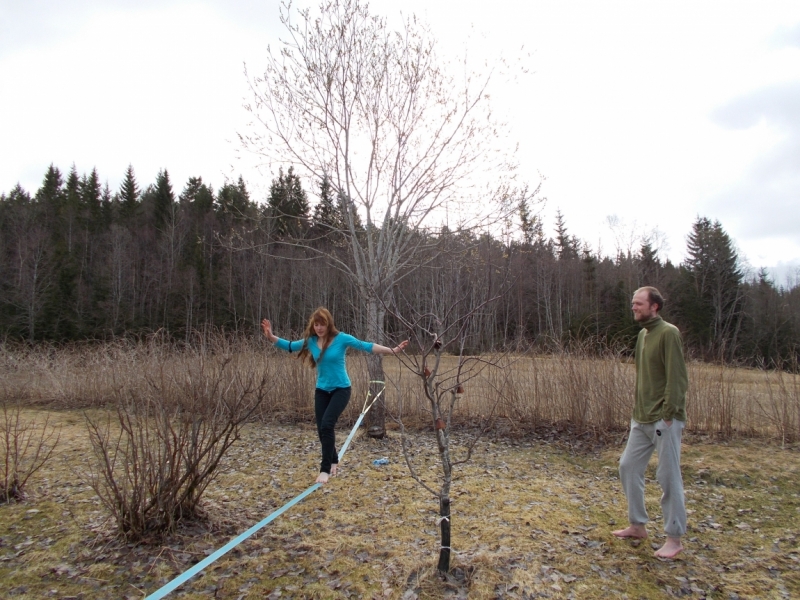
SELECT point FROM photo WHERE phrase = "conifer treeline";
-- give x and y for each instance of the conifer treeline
(83, 261)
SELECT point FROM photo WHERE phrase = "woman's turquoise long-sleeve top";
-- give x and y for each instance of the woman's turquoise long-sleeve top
(331, 370)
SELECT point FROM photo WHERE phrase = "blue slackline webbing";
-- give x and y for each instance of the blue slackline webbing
(186, 575)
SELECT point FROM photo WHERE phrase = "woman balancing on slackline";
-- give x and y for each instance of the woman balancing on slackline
(323, 347)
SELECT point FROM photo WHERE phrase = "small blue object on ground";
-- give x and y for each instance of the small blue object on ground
(381, 461)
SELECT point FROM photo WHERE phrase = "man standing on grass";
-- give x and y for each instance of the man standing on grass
(659, 416)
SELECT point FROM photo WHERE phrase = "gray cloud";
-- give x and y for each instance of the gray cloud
(766, 201)
(33, 22)
(778, 104)
(787, 36)
(29, 23)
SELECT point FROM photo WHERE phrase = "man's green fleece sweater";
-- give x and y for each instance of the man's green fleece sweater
(661, 379)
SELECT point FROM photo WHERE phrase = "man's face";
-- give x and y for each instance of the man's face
(642, 309)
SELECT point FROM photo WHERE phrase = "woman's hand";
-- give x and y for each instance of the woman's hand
(400, 347)
(266, 327)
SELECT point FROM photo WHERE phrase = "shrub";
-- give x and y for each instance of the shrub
(25, 446)
(155, 460)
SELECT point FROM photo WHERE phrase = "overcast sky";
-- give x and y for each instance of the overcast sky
(649, 113)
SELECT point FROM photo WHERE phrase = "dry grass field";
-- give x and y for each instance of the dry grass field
(592, 395)
(531, 519)
(532, 510)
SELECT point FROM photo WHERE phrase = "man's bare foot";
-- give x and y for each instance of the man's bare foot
(671, 548)
(637, 532)
(334, 470)
(322, 478)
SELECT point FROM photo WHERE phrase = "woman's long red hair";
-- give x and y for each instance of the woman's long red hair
(324, 317)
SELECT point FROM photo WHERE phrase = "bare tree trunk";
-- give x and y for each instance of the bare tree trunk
(376, 417)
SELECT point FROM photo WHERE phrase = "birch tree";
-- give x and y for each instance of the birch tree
(405, 139)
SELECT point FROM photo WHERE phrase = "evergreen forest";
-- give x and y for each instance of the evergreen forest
(84, 262)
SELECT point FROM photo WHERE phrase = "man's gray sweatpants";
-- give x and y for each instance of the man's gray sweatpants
(643, 439)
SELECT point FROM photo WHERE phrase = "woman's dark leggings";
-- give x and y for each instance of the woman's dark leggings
(327, 408)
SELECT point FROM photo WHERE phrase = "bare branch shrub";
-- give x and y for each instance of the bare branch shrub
(25, 446)
(443, 387)
(570, 388)
(155, 460)
(781, 406)
(712, 400)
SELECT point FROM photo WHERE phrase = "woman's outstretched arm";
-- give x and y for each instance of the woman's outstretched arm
(378, 349)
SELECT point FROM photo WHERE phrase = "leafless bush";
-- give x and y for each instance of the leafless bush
(161, 453)
(80, 375)
(712, 401)
(781, 407)
(574, 387)
(25, 446)
(291, 387)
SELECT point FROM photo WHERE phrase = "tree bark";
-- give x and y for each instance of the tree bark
(376, 417)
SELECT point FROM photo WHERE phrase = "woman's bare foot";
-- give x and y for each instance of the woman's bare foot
(671, 548)
(334, 470)
(322, 478)
(637, 532)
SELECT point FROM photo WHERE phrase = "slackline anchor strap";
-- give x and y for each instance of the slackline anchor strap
(189, 573)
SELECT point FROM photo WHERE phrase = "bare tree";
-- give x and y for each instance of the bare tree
(400, 138)
(444, 383)
(121, 263)
(33, 276)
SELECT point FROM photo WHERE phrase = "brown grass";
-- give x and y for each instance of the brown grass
(530, 520)
(586, 394)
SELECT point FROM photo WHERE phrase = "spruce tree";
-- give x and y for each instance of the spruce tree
(17, 197)
(530, 224)
(91, 198)
(59, 315)
(128, 196)
(348, 212)
(198, 196)
(106, 207)
(566, 245)
(51, 192)
(327, 216)
(710, 290)
(649, 265)
(233, 200)
(330, 215)
(288, 204)
(163, 200)
(71, 209)
(72, 200)
(198, 199)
